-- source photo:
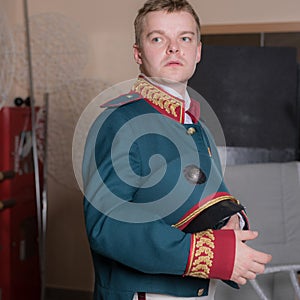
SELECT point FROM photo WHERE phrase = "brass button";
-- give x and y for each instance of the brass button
(200, 292)
(194, 175)
(191, 131)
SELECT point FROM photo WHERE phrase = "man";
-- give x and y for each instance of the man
(141, 248)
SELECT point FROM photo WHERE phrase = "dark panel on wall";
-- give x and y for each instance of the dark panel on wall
(250, 39)
(253, 91)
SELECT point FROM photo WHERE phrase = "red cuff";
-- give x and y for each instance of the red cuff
(212, 254)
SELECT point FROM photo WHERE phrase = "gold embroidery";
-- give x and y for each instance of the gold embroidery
(197, 211)
(202, 254)
(159, 97)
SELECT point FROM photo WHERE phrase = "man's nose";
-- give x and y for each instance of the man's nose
(173, 48)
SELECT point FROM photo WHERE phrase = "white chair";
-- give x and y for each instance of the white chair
(271, 194)
(291, 269)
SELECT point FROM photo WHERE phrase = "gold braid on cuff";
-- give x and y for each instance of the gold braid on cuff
(201, 254)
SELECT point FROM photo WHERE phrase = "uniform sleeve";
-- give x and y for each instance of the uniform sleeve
(152, 247)
(157, 248)
(212, 254)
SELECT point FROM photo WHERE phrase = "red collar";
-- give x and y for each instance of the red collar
(160, 100)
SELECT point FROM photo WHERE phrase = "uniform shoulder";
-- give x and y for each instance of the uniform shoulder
(122, 99)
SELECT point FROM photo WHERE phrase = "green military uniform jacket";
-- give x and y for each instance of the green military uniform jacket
(140, 197)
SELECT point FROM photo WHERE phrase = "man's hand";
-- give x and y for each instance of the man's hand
(233, 223)
(248, 262)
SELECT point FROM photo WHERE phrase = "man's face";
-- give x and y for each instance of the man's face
(169, 47)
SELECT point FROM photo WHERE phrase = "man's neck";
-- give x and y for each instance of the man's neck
(178, 90)
(177, 87)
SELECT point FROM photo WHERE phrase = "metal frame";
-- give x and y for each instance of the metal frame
(291, 269)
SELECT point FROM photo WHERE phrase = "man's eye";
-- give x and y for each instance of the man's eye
(157, 39)
(186, 39)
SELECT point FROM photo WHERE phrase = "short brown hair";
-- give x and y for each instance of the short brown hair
(162, 5)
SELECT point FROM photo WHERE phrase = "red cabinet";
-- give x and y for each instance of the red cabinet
(19, 255)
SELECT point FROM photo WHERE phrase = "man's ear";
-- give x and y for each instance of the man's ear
(137, 54)
(199, 49)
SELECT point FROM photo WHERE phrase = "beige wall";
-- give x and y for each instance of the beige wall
(242, 11)
(108, 27)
